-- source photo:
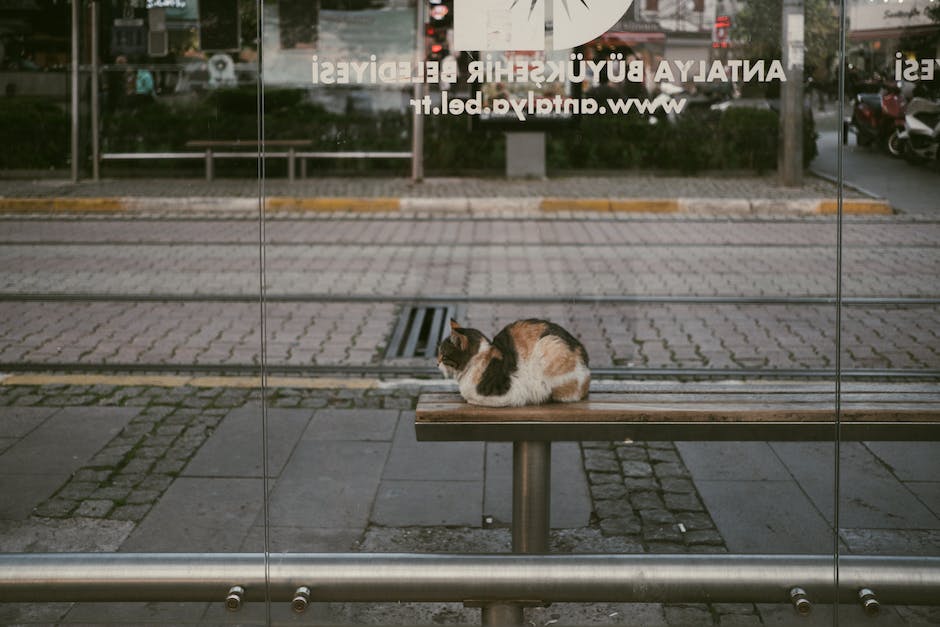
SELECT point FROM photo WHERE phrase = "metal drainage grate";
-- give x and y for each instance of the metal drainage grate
(419, 331)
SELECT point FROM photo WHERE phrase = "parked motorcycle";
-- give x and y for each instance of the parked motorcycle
(921, 135)
(878, 119)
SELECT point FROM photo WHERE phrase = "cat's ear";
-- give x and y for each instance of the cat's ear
(459, 339)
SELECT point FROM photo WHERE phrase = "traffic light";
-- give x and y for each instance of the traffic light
(441, 13)
(440, 21)
(437, 45)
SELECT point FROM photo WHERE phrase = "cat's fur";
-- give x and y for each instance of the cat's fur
(527, 363)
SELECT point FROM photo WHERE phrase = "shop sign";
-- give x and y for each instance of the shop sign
(166, 4)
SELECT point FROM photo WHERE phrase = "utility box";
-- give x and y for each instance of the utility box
(525, 155)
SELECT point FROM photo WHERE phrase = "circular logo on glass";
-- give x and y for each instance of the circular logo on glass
(520, 24)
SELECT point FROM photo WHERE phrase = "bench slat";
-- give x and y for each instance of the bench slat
(678, 431)
(715, 415)
(763, 398)
(701, 412)
(779, 387)
(251, 143)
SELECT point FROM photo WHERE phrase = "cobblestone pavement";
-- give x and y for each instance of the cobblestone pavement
(716, 336)
(392, 257)
(642, 499)
(183, 293)
(180, 292)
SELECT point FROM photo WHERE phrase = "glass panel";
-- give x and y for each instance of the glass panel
(888, 501)
(666, 233)
(130, 419)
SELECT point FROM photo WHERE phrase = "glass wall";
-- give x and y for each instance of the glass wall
(254, 250)
(132, 330)
(887, 501)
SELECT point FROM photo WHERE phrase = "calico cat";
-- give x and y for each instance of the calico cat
(527, 363)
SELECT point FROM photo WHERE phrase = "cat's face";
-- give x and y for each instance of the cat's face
(454, 351)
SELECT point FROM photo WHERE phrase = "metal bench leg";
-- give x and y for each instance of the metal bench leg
(531, 506)
(502, 615)
(531, 496)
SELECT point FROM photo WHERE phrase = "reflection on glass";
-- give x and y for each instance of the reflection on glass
(122, 294)
(888, 501)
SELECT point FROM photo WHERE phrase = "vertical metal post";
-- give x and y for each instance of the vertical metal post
(503, 614)
(95, 104)
(290, 163)
(791, 95)
(531, 496)
(417, 120)
(75, 52)
(531, 506)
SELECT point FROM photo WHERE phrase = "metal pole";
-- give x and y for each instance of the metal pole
(381, 577)
(75, 53)
(531, 496)
(791, 95)
(95, 104)
(499, 614)
(417, 119)
(531, 500)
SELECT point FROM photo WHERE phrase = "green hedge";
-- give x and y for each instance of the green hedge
(698, 140)
(34, 134)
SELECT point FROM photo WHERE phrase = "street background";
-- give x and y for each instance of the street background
(131, 344)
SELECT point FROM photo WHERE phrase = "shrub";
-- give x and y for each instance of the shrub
(698, 139)
(749, 138)
(34, 133)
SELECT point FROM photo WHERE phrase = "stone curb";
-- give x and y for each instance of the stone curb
(276, 204)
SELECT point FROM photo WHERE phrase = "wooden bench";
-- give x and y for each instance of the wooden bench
(671, 412)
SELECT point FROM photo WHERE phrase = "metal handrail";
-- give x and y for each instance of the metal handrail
(379, 577)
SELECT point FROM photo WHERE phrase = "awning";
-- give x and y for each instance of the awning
(625, 38)
(897, 32)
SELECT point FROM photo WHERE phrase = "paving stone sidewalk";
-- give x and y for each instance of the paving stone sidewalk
(179, 469)
(171, 293)
(650, 336)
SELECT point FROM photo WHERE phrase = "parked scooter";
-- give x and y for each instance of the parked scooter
(878, 119)
(921, 134)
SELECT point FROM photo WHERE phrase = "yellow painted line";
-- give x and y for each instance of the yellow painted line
(176, 381)
(289, 203)
(856, 207)
(645, 205)
(163, 381)
(62, 205)
(224, 382)
(306, 383)
(575, 204)
(322, 383)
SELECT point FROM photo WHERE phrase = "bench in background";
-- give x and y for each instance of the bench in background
(210, 150)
